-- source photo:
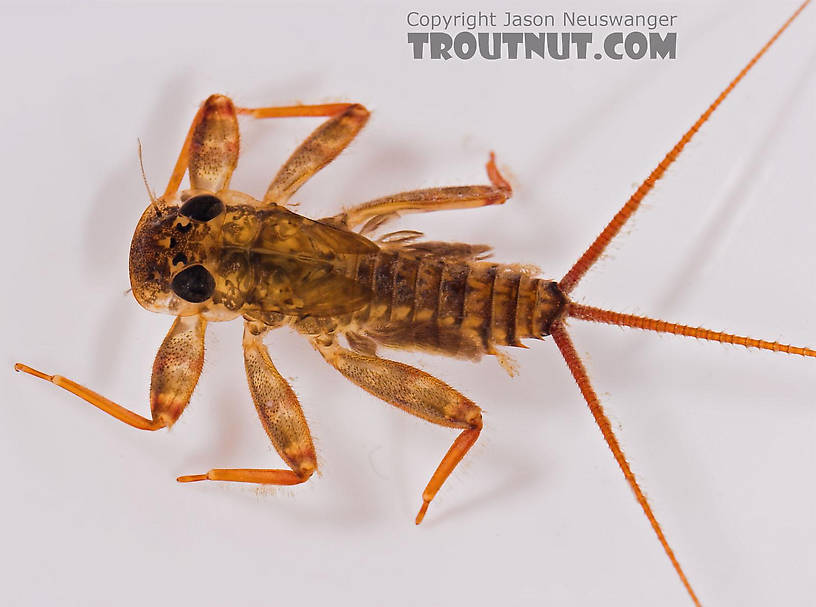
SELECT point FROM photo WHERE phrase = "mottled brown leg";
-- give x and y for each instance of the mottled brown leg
(211, 148)
(175, 374)
(413, 391)
(177, 368)
(377, 212)
(319, 149)
(281, 416)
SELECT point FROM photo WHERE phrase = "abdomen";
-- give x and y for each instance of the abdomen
(450, 305)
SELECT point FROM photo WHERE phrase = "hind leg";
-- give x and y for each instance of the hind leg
(376, 212)
(416, 392)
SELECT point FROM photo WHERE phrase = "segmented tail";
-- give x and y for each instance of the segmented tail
(573, 310)
(598, 246)
(644, 323)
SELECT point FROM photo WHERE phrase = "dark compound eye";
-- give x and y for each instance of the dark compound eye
(194, 284)
(202, 207)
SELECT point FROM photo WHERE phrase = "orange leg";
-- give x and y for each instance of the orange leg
(295, 111)
(457, 451)
(97, 400)
(324, 144)
(175, 374)
(210, 150)
(281, 416)
(247, 475)
(416, 392)
(377, 212)
(319, 149)
(182, 161)
(211, 147)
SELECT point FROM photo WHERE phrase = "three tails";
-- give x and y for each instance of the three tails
(589, 313)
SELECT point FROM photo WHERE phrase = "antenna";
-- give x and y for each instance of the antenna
(150, 193)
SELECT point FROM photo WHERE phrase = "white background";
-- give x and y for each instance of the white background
(722, 438)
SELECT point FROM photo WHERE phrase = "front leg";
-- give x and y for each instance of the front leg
(175, 374)
(281, 416)
(210, 150)
(413, 391)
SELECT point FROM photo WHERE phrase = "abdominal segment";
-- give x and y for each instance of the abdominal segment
(452, 306)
